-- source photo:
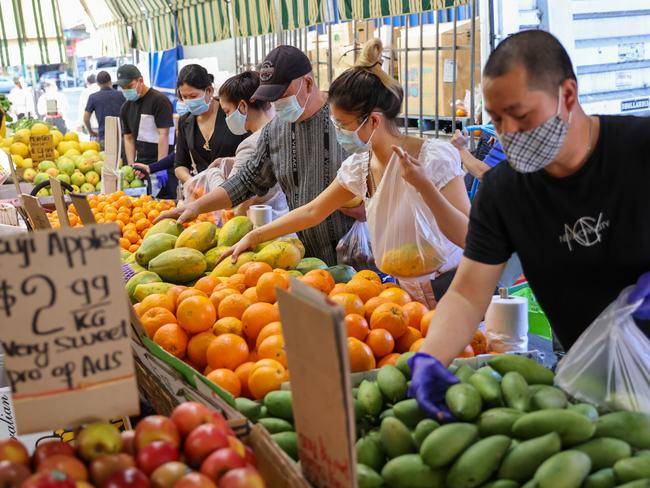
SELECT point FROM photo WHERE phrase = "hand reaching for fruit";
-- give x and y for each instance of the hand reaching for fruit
(248, 242)
(429, 383)
(182, 214)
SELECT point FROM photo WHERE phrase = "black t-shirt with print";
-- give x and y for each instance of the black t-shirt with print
(581, 239)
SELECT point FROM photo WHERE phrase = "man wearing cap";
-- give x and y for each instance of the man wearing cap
(104, 103)
(147, 117)
(297, 149)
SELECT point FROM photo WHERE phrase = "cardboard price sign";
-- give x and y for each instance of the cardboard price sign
(41, 148)
(65, 328)
(323, 411)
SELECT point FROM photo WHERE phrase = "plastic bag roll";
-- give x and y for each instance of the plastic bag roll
(506, 324)
(260, 215)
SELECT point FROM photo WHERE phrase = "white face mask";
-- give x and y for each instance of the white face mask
(289, 109)
(236, 122)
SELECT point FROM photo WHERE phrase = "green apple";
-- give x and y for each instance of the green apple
(78, 178)
(87, 188)
(29, 174)
(45, 165)
(92, 178)
(40, 177)
(98, 439)
(64, 178)
(66, 165)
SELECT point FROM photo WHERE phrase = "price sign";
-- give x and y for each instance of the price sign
(64, 327)
(41, 148)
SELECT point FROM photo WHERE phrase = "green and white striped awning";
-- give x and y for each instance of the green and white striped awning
(152, 24)
(202, 21)
(297, 14)
(258, 17)
(374, 9)
(113, 38)
(252, 17)
(31, 32)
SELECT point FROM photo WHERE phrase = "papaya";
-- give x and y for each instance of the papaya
(296, 242)
(234, 230)
(631, 427)
(342, 273)
(261, 246)
(309, 264)
(411, 260)
(212, 256)
(130, 259)
(533, 372)
(279, 255)
(295, 273)
(124, 254)
(226, 268)
(179, 265)
(166, 226)
(198, 236)
(134, 268)
(140, 279)
(143, 291)
(152, 246)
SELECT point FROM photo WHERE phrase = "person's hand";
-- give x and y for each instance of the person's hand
(93, 133)
(216, 163)
(429, 383)
(248, 242)
(182, 214)
(412, 171)
(460, 140)
(357, 213)
(641, 292)
(141, 170)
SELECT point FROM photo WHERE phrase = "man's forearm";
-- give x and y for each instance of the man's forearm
(217, 199)
(129, 150)
(182, 173)
(474, 166)
(163, 145)
(86, 121)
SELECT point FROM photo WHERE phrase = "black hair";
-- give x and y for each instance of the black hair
(195, 76)
(545, 60)
(103, 77)
(242, 87)
(366, 87)
(91, 79)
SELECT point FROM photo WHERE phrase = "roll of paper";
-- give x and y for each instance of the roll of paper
(506, 324)
(260, 215)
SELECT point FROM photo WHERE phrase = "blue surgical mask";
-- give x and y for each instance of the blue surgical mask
(181, 108)
(236, 123)
(197, 106)
(131, 94)
(350, 140)
(289, 109)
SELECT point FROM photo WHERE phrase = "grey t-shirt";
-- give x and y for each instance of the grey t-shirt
(304, 159)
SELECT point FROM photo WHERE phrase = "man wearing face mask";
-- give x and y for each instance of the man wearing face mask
(569, 203)
(297, 149)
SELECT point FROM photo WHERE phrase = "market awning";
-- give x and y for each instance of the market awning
(252, 17)
(374, 9)
(296, 14)
(31, 33)
(109, 28)
(202, 21)
(152, 23)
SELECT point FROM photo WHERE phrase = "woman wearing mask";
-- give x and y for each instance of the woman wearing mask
(203, 135)
(365, 102)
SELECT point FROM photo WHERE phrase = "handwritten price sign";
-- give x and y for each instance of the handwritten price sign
(64, 327)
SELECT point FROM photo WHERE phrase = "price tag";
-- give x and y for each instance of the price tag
(41, 148)
(37, 216)
(64, 327)
(113, 150)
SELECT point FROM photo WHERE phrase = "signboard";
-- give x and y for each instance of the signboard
(636, 104)
(64, 327)
(41, 148)
(112, 153)
(317, 352)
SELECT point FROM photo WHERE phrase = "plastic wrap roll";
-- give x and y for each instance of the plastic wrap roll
(506, 324)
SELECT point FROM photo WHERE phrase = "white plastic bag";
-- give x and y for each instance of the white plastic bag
(609, 365)
(195, 188)
(406, 241)
(354, 248)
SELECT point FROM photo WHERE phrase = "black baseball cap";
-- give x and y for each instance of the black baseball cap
(282, 65)
(127, 73)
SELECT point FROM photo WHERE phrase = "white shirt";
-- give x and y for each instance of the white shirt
(22, 101)
(83, 101)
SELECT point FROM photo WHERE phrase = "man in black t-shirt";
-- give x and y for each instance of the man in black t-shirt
(572, 202)
(104, 103)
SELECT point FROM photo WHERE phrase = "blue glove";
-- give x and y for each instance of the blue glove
(641, 292)
(429, 383)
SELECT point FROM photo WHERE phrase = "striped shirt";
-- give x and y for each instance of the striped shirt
(304, 159)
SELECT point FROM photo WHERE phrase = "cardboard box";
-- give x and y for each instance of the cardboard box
(445, 61)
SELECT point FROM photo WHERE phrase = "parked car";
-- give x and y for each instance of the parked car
(60, 77)
(6, 84)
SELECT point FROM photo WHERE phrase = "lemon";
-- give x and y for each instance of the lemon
(19, 148)
(71, 136)
(40, 129)
(22, 135)
(18, 160)
(27, 163)
(89, 146)
(72, 152)
(56, 154)
(57, 137)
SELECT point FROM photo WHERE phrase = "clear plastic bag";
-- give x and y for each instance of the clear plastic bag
(609, 365)
(195, 188)
(354, 248)
(405, 238)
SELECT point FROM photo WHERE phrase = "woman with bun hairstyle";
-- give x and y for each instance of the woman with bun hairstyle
(365, 102)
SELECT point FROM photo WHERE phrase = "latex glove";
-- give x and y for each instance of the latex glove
(429, 383)
(641, 292)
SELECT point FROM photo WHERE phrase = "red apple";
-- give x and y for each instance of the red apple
(83, 484)
(202, 441)
(128, 442)
(12, 474)
(71, 466)
(54, 479)
(217, 419)
(156, 454)
(195, 480)
(98, 439)
(47, 449)
(104, 466)
(220, 462)
(237, 445)
(250, 457)
(241, 478)
(13, 450)
(127, 478)
(189, 415)
(156, 428)
(168, 474)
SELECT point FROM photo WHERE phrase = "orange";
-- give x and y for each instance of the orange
(274, 328)
(207, 370)
(426, 321)
(351, 303)
(137, 308)
(233, 306)
(339, 288)
(197, 348)
(142, 224)
(207, 284)
(273, 348)
(227, 351)
(174, 291)
(479, 343)
(396, 295)
(196, 314)
(267, 284)
(319, 279)
(219, 295)
(237, 282)
(226, 379)
(257, 316)
(360, 355)
(154, 318)
(265, 378)
(125, 243)
(158, 300)
(267, 362)
(417, 345)
(172, 338)
(391, 317)
(357, 326)
(251, 294)
(389, 359)
(468, 352)
(132, 236)
(366, 289)
(381, 342)
(405, 342)
(228, 325)
(415, 311)
(190, 292)
(243, 371)
(252, 272)
(366, 274)
(253, 355)
(372, 304)
(132, 248)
